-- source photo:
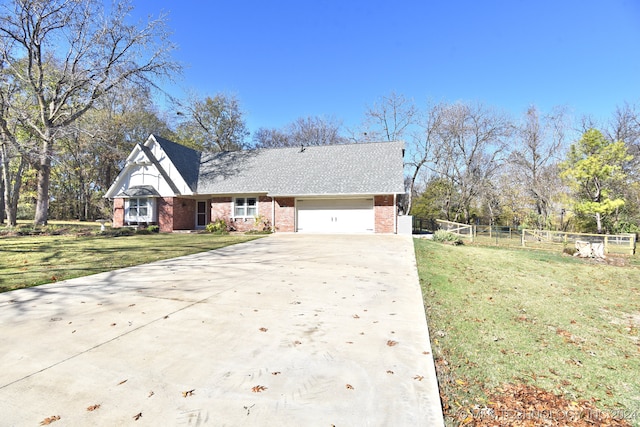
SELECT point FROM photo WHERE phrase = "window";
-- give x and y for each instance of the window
(245, 207)
(140, 209)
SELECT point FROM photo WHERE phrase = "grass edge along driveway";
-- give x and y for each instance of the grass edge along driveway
(542, 321)
(35, 260)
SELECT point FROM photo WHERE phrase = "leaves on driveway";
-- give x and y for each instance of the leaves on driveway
(258, 388)
(188, 393)
(49, 420)
(93, 407)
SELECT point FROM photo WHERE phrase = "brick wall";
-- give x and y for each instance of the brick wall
(118, 212)
(184, 214)
(384, 212)
(285, 214)
(165, 214)
(220, 208)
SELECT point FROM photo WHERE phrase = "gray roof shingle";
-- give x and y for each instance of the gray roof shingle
(370, 168)
(350, 169)
(185, 159)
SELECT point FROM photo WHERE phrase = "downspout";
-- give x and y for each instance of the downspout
(273, 214)
(395, 214)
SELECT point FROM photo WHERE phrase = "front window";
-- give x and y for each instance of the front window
(244, 207)
(140, 209)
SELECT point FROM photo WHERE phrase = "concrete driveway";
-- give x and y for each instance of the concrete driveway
(310, 330)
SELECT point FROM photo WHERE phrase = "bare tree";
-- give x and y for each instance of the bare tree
(66, 54)
(388, 119)
(472, 142)
(213, 124)
(422, 143)
(312, 130)
(539, 142)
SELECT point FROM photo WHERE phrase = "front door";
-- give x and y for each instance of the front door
(201, 214)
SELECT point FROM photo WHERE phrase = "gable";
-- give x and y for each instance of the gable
(149, 164)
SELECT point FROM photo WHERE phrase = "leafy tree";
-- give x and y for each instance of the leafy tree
(67, 54)
(438, 201)
(213, 124)
(592, 169)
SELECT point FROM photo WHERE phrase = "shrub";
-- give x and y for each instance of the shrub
(261, 225)
(443, 236)
(153, 229)
(219, 226)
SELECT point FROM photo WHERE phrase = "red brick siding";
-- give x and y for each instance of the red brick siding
(220, 208)
(384, 212)
(285, 214)
(184, 214)
(118, 212)
(165, 214)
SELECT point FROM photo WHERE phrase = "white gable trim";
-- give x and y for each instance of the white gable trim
(148, 164)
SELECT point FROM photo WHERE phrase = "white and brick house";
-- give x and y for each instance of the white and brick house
(349, 188)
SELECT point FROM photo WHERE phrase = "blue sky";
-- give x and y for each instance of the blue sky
(289, 59)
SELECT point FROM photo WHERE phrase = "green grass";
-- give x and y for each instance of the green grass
(499, 315)
(34, 260)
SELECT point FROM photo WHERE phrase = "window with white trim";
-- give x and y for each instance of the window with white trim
(140, 209)
(245, 207)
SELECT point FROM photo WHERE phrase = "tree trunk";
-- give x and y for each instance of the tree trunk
(2, 207)
(599, 222)
(44, 176)
(11, 189)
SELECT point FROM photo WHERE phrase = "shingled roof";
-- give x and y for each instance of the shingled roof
(185, 159)
(349, 169)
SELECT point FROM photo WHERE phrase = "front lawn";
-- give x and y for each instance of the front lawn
(36, 259)
(516, 333)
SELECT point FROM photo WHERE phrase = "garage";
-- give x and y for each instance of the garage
(335, 215)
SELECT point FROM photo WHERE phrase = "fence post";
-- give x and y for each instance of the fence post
(606, 244)
(523, 245)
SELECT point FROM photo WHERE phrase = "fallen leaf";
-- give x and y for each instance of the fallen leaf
(355, 316)
(391, 343)
(49, 420)
(418, 377)
(137, 416)
(263, 329)
(122, 382)
(276, 373)
(151, 393)
(390, 372)
(349, 387)
(258, 388)
(113, 324)
(188, 393)
(93, 407)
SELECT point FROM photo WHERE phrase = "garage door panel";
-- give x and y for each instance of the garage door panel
(335, 215)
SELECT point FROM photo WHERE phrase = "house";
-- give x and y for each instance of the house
(350, 188)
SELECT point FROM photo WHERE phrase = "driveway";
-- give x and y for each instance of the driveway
(289, 330)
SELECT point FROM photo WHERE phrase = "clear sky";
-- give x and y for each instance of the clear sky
(289, 59)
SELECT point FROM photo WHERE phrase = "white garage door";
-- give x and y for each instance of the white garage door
(335, 215)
